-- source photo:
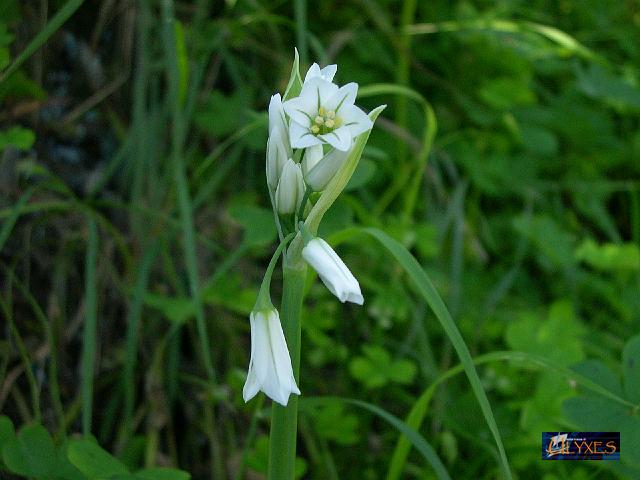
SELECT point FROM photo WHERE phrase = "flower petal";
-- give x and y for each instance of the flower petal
(356, 120)
(301, 137)
(342, 98)
(340, 138)
(327, 73)
(304, 108)
(276, 113)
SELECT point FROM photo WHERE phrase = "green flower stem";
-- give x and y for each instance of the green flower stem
(284, 420)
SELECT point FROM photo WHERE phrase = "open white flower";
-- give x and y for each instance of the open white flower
(332, 271)
(324, 113)
(278, 147)
(290, 188)
(270, 365)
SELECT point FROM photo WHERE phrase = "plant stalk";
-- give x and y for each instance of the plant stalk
(284, 420)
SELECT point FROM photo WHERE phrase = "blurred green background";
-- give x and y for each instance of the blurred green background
(134, 210)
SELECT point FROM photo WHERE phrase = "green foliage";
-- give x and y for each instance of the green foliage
(17, 137)
(591, 412)
(258, 459)
(376, 368)
(32, 454)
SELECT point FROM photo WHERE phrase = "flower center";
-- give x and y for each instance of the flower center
(325, 122)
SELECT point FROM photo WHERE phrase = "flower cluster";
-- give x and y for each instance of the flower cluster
(311, 136)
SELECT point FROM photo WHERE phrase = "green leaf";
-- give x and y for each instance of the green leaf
(597, 83)
(222, 115)
(176, 309)
(257, 222)
(364, 173)
(597, 414)
(161, 474)
(423, 285)
(9, 223)
(418, 441)
(17, 137)
(552, 241)
(631, 369)
(95, 462)
(294, 86)
(600, 374)
(31, 453)
(182, 60)
(377, 368)
(609, 256)
(419, 410)
(506, 92)
(557, 338)
(333, 423)
(43, 35)
(7, 433)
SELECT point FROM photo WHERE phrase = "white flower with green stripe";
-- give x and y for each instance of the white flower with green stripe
(324, 112)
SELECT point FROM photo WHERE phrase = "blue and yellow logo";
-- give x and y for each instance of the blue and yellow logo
(580, 445)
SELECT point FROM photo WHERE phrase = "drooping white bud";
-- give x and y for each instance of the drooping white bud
(270, 365)
(332, 271)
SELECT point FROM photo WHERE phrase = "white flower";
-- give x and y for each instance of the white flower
(332, 271)
(278, 147)
(324, 113)
(290, 188)
(323, 170)
(327, 73)
(270, 365)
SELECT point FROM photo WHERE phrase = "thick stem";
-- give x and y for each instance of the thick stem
(284, 420)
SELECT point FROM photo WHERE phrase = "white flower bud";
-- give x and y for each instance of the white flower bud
(312, 155)
(277, 155)
(332, 271)
(324, 170)
(270, 365)
(290, 188)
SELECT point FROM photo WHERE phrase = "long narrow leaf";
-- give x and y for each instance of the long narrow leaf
(424, 286)
(40, 39)
(419, 411)
(418, 441)
(16, 211)
(90, 326)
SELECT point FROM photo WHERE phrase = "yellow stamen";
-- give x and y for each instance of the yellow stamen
(321, 111)
(329, 123)
(319, 120)
(331, 114)
(337, 122)
(315, 129)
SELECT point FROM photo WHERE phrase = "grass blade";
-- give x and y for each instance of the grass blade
(40, 39)
(90, 329)
(424, 286)
(419, 411)
(418, 441)
(15, 212)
